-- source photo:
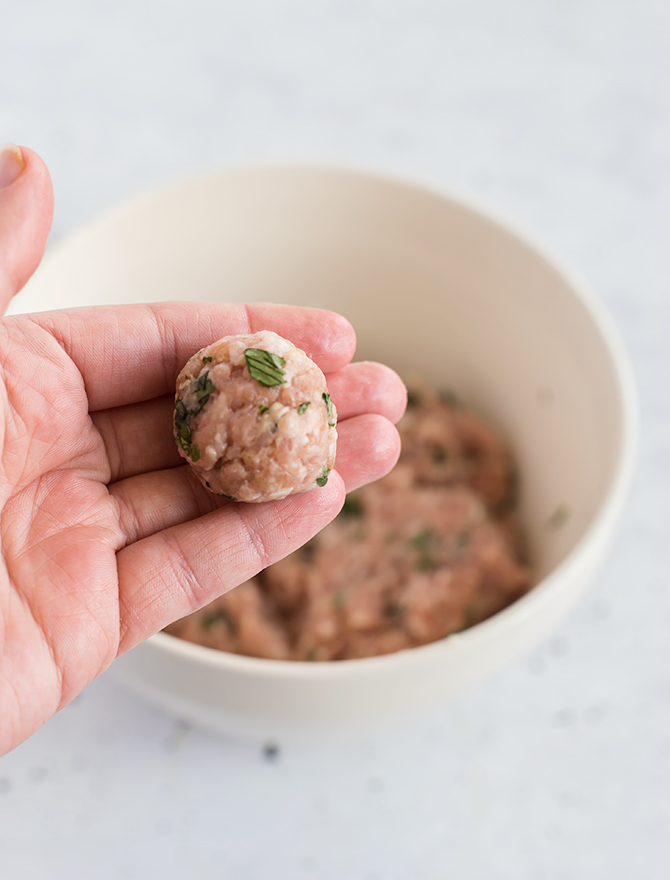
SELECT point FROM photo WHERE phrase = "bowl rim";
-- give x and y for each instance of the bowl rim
(596, 534)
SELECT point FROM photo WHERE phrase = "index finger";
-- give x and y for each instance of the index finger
(131, 353)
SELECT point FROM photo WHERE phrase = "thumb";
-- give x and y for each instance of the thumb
(26, 209)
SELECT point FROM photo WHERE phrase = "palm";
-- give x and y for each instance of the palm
(105, 536)
(60, 531)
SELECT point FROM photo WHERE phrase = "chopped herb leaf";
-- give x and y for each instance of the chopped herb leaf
(207, 360)
(393, 611)
(440, 455)
(448, 397)
(218, 616)
(352, 507)
(227, 497)
(424, 540)
(203, 388)
(307, 551)
(462, 542)
(182, 431)
(195, 453)
(323, 479)
(426, 563)
(303, 407)
(329, 409)
(265, 367)
(263, 408)
(185, 432)
(339, 600)
(559, 517)
(311, 655)
(413, 398)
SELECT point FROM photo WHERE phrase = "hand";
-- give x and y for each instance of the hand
(105, 535)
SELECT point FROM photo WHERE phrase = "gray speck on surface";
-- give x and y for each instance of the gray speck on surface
(601, 610)
(595, 713)
(38, 774)
(558, 646)
(271, 752)
(177, 736)
(564, 718)
(5, 785)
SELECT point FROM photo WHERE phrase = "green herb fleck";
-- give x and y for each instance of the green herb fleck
(461, 542)
(265, 367)
(424, 539)
(307, 551)
(393, 611)
(352, 507)
(323, 479)
(449, 398)
(227, 497)
(329, 409)
(440, 455)
(218, 616)
(413, 398)
(195, 453)
(207, 360)
(303, 407)
(203, 388)
(559, 517)
(426, 563)
(312, 654)
(263, 408)
(182, 431)
(185, 432)
(339, 600)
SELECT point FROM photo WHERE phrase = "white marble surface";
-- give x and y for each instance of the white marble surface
(557, 114)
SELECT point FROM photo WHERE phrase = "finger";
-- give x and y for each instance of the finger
(368, 387)
(26, 210)
(162, 499)
(176, 571)
(138, 437)
(368, 447)
(132, 353)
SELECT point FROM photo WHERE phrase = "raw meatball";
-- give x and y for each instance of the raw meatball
(254, 419)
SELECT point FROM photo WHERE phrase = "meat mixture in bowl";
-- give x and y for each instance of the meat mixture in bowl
(430, 549)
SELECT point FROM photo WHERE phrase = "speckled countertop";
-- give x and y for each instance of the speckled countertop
(558, 116)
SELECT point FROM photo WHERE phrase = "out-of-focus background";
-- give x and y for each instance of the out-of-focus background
(556, 115)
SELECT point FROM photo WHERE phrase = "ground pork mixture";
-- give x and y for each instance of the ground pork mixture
(254, 419)
(429, 550)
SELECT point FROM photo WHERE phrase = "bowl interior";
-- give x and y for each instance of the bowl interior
(433, 288)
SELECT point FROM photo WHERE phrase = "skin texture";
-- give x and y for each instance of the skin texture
(105, 536)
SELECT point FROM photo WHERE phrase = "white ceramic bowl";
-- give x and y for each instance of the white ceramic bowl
(434, 287)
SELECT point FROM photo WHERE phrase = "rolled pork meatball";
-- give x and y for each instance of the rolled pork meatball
(254, 419)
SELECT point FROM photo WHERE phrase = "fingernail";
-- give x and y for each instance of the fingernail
(11, 164)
